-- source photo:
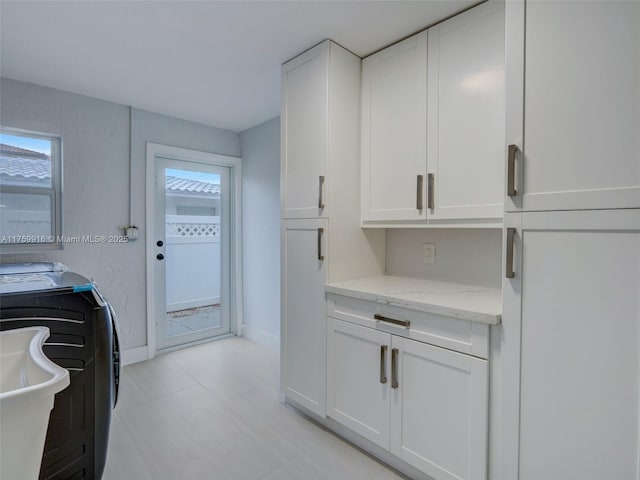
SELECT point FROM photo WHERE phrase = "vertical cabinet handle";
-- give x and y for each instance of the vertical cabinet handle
(419, 189)
(511, 234)
(320, 232)
(430, 198)
(394, 368)
(383, 372)
(511, 171)
(320, 184)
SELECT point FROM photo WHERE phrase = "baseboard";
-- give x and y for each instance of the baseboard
(263, 338)
(134, 355)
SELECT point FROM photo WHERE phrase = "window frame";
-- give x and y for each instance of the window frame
(54, 193)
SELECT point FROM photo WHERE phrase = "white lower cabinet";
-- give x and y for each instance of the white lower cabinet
(303, 312)
(358, 384)
(570, 376)
(427, 405)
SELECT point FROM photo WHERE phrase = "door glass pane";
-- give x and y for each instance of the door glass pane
(193, 252)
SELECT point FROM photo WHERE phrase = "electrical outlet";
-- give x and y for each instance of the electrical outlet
(429, 253)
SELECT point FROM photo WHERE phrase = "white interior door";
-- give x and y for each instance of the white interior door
(191, 208)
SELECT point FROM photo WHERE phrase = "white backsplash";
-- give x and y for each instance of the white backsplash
(472, 256)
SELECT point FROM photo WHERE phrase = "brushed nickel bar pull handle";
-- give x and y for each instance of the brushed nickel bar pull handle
(320, 232)
(394, 368)
(320, 184)
(419, 189)
(511, 233)
(430, 197)
(383, 354)
(402, 323)
(511, 171)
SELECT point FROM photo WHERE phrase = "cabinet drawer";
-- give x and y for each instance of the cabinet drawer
(453, 333)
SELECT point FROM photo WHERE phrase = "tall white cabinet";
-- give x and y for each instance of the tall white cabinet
(320, 236)
(304, 135)
(570, 406)
(303, 274)
(570, 380)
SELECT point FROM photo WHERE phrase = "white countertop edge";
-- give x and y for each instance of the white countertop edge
(433, 308)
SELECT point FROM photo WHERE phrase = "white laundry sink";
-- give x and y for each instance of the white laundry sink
(28, 384)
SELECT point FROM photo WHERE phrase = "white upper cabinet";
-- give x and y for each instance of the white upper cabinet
(573, 104)
(304, 134)
(433, 125)
(394, 125)
(466, 124)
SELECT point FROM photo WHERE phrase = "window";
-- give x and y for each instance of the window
(30, 191)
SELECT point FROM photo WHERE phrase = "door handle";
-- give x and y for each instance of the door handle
(402, 323)
(394, 368)
(320, 184)
(383, 372)
(419, 182)
(511, 236)
(430, 193)
(511, 170)
(320, 255)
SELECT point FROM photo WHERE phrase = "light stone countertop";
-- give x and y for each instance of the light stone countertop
(467, 302)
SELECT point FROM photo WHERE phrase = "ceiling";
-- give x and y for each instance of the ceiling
(211, 62)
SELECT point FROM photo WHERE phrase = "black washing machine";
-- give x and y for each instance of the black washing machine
(84, 340)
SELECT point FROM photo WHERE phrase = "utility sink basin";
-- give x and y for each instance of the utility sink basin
(28, 384)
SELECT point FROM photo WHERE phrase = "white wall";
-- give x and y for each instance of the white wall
(95, 137)
(467, 255)
(261, 232)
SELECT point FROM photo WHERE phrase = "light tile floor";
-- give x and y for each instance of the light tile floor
(212, 412)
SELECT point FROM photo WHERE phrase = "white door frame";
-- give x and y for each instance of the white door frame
(155, 150)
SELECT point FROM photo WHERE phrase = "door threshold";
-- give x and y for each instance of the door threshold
(194, 343)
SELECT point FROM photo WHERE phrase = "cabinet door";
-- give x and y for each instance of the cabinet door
(571, 347)
(358, 379)
(466, 115)
(573, 104)
(439, 411)
(394, 126)
(303, 311)
(304, 133)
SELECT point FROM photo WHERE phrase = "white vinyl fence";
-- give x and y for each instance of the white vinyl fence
(193, 261)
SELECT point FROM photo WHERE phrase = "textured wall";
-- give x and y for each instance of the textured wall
(261, 231)
(467, 255)
(96, 139)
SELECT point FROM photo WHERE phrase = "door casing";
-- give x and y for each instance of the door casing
(154, 152)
